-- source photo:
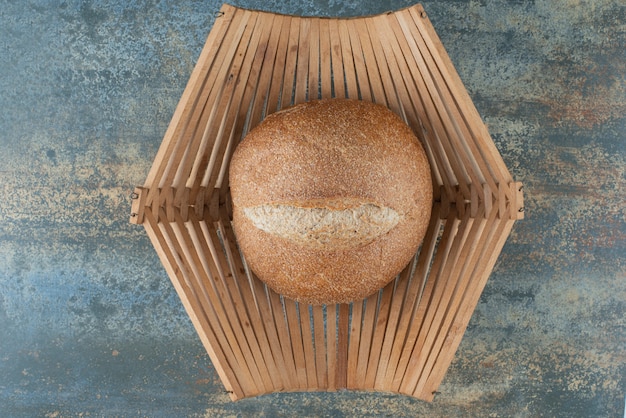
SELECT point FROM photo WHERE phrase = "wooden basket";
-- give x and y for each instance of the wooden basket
(401, 339)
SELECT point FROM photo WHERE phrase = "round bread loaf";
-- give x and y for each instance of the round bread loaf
(331, 199)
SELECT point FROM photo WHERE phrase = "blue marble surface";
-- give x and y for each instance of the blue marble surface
(89, 322)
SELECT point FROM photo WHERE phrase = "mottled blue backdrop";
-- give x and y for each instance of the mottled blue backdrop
(89, 322)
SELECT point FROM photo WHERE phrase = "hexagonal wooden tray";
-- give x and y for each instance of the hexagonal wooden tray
(401, 339)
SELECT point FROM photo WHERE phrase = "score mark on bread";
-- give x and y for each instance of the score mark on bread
(324, 227)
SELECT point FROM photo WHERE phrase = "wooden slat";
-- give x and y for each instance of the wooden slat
(248, 109)
(413, 104)
(246, 302)
(216, 38)
(269, 68)
(282, 329)
(238, 86)
(295, 333)
(479, 279)
(201, 112)
(373, 77)
(436, 114)
(380, 325)
(302, 68)
(452, 298)
(343, 332)
(358, 55)
(414, 339)
(336, 57)
(331, 346)
(471, 157)
(349, 70)
(314, 60)
(222, 355)
(270, 327)
(326, 82)
(469, 112)
(293, 50)
(436, 308)
(198, 279)
(370, 36)
(279, 69)
(413, 297)
(320, 346)
(367, 331)
(390, 326)
(304, 312)
(352, 381)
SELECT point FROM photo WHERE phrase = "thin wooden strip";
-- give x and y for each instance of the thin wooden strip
(195, 84)
(479, 173)
(221, 354)
(203, 124)
(331, 345)
(449, 167)
(325, 60)
(471, 158)
(362, 79)
(320, 346)
(198, 282)
(246, 370)
(268, 70)
(479, 279)
(464, 102)
(343, 332)
(238, 86)
(240, 118)
(415, 331)
(435, 112)
(302, 69)
(276, 82)
(413, 296)
(314, 92)
(349, 71)
(304, 311)
(367, 332)
(258, 338)
(354, 344)
(414, 109)
(204, 110)
(289, 80)
(197, 234)
(339, 86)
(379, 333)
(282, 328)
(270, 327)
(226, 292)
(369, 61)
(391, 327)
(391, 97)
(295, 333)
(249, 323)
(436, 309)
(398, 70)
(460, 277)
(410, 101)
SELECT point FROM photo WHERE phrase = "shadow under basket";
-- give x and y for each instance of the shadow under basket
(401, 339)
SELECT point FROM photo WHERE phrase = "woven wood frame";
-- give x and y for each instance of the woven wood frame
(401, 339)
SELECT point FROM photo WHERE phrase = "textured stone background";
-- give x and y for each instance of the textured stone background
(89, 322)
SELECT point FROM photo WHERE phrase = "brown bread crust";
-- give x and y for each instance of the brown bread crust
(335, 154)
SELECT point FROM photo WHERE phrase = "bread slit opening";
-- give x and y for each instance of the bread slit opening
(324, 227)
